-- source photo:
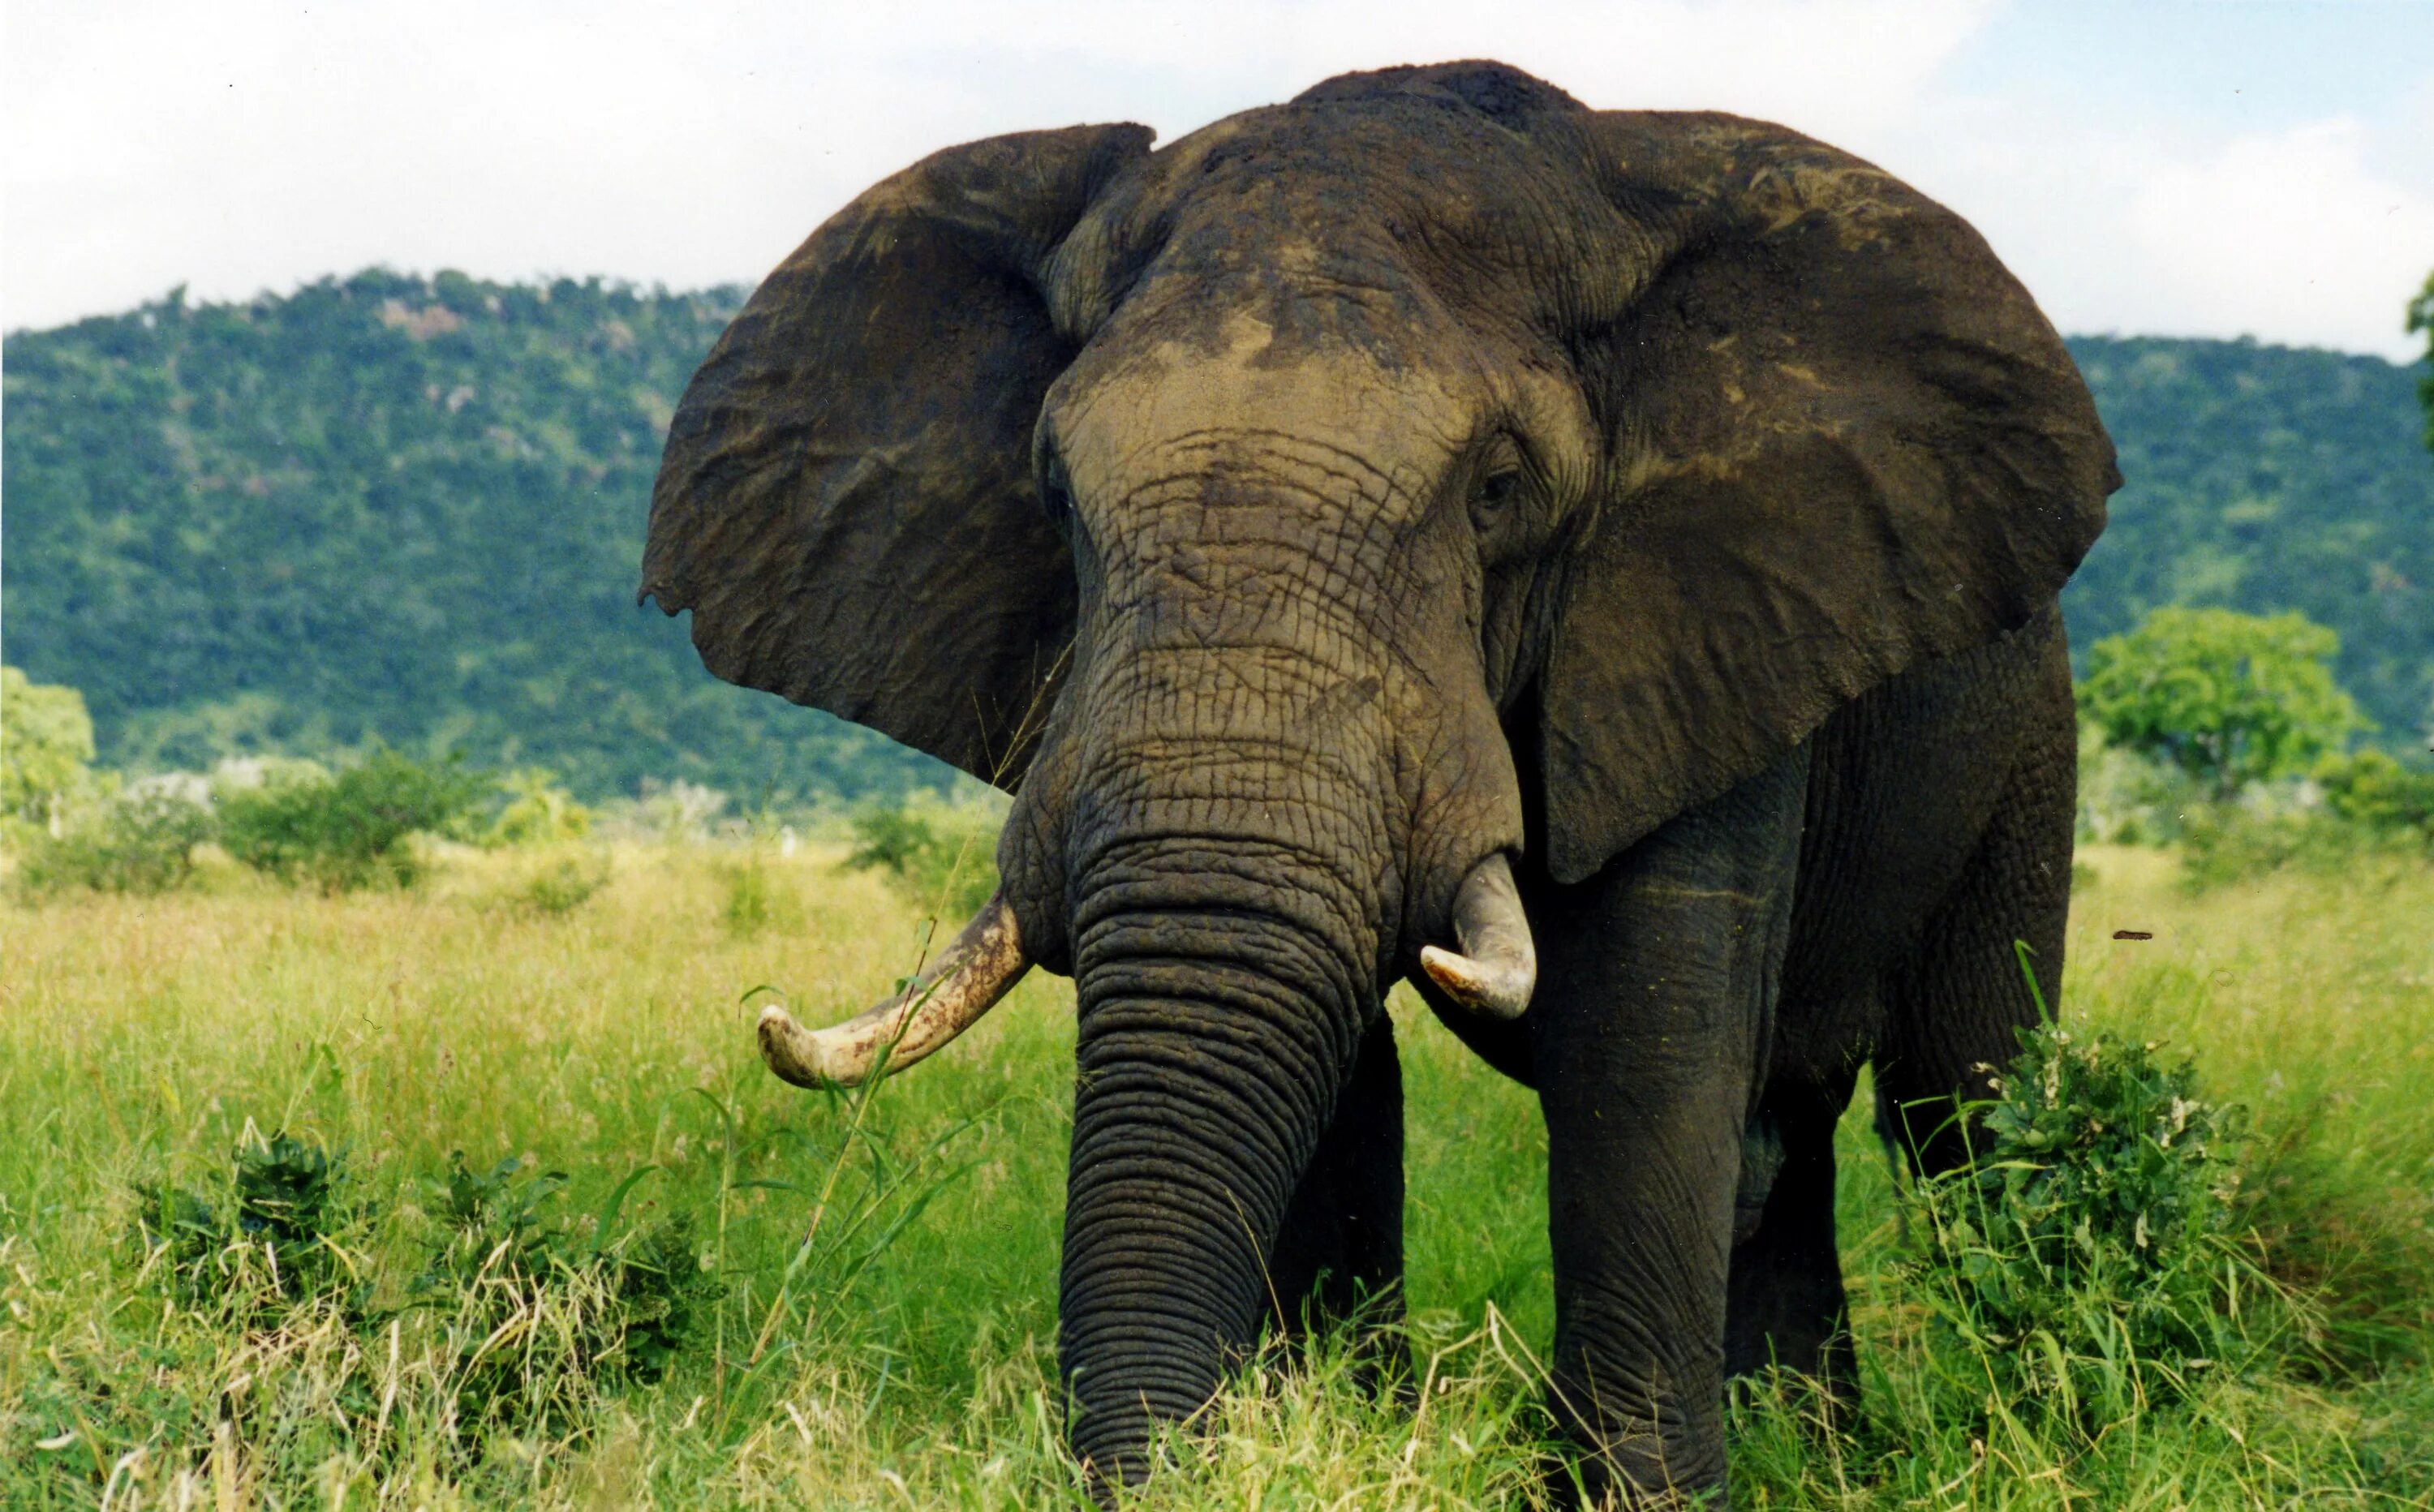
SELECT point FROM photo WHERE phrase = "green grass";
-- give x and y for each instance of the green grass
(904, 1356)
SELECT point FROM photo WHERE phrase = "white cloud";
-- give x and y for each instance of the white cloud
(238, 146)
(244, 145)
(2291, 231)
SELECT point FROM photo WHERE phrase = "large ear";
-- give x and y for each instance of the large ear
(1843, 442)
(846, 503)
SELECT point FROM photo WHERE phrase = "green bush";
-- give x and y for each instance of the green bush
(2126, 798)
(2083, 1260)
(141, 840)
(752, 895)
(565, 884)
(348, 830)
(46, 744)
(536, 1313)
(943, 858)
(261, 1233)
(2372, 789)
(538, 812)
(587, 1313)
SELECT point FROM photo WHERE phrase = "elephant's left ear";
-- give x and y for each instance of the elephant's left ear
(1843, 442)
(846, 503)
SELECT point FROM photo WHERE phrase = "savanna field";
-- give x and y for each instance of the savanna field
(477, 1194)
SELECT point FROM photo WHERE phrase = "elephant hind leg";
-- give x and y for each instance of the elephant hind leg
(1955, 1007)
(1339, 1256)
(1785, 1304)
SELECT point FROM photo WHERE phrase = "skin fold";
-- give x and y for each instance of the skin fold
(1427, 470)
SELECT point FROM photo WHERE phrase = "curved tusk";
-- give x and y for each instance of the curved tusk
(976, 969)
(1498, 965)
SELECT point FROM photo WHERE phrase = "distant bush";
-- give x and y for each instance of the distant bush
(139, 840)
(2364, 809)
(941, 858)
(2372, 789)
(2085, 1257)
(565, 884)
(2224, 844)
(538, 812)
(675, 812)
(752, 894)
(348, 830)
(2126, 798)
(46, 744)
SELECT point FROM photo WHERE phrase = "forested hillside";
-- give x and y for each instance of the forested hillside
(412, 509)
(2263, 479)
(382, 507)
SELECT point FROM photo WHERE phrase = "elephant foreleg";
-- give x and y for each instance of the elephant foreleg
(1656, 989)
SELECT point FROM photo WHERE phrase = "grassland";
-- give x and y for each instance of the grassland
(904, 1357)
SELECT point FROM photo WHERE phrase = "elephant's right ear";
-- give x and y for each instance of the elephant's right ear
(846, 503)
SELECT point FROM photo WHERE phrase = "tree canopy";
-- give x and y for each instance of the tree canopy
(46, 741)
(2421, 317)
(2228, 698)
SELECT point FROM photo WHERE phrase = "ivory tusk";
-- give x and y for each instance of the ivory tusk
(1496, 967)
(976, 969)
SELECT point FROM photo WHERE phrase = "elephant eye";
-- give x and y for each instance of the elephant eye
(1493, 495)
(1057, 497)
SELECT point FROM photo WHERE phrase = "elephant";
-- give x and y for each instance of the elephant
(1598, 566)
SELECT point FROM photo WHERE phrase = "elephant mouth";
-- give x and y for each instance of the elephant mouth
(1490, 973)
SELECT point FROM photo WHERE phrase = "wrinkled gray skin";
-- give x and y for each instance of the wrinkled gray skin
(1361, 488)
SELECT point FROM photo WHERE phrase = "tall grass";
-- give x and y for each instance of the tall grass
(899, 1351)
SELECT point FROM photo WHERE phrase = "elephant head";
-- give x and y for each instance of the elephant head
(1309, 522)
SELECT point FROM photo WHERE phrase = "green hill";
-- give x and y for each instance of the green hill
(382, 507)
(412, 508)
(2269, 477)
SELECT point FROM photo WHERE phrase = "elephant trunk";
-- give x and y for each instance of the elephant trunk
(1222, 999)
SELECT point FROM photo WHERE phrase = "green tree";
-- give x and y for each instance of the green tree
(2421, 317)
(2228, 698)
(46, 741)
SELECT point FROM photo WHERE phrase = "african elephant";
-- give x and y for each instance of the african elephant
(1600, 562)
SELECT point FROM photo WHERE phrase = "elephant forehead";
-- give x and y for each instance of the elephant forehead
(1244, 403)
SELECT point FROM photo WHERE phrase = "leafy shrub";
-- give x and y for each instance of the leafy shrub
(2372, 789)
(264, 1232)
(2225, 845)
(541, 1317)
(2084, 1258)
(538, 810)
(941, 858)
(565, 884)
(346, 831)
(139, 840)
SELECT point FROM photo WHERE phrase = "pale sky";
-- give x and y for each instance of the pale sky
(2195, 167)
